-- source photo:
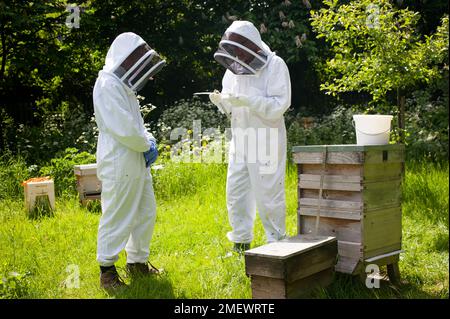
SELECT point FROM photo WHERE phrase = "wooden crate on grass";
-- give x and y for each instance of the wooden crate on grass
(360, 202)
(89, 186)
(291, 268)
(39, 191)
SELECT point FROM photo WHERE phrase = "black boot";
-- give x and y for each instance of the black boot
(110, 279)
(142, 269)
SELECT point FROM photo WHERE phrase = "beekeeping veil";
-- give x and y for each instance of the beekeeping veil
(241, 49)
(132, 60)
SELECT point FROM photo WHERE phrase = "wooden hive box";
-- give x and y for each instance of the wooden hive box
(291, 268)
(89, 186)
(36, 189)
(361, 201)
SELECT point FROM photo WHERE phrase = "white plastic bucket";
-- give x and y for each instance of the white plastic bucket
(372, 129)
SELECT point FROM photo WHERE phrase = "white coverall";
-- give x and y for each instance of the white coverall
(264, 99)
(127, 199)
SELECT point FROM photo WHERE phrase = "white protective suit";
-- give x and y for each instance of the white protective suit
(262, 100)
(128, 201)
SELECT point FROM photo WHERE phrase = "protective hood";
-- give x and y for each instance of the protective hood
(132, 60)
(241, 49)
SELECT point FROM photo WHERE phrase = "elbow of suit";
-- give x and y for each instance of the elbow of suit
(135, 143)
(275, 110)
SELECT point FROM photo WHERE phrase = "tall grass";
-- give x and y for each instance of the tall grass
(37, 256)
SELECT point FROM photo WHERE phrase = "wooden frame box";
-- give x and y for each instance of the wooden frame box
(291, 268)
(89, 186)
(360, 201)
(35, 188)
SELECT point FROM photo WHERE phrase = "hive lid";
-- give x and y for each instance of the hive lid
(85, 169)
(34, 180)
(289, 247)
(347, 148)
(86, 166)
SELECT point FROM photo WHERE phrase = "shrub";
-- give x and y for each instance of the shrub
(13, 171)
(14, 285)
(184, 112)
(69, 126)
(427, 124)
(335, 128)
(61, 169)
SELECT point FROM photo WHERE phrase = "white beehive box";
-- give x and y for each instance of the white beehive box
(89, 186)
(35, 188)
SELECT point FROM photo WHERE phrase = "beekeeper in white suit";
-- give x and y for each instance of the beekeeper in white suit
(125, 150)
(256, 91)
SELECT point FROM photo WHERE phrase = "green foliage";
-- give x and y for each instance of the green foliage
(183, 114)
(44, 62)
(184, 179)
(427, 123)
(68, 127)
(14, 285)
(376, 48)
(335, 128)
(13, 171)
(61, 169)
(284, 25)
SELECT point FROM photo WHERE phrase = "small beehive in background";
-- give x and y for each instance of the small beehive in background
(360, 202)
(89, 186)
(291, 268)
(39, 196)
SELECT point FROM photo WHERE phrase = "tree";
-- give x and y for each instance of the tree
(376, 49)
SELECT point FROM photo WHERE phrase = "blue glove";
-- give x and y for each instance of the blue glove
(151, 155)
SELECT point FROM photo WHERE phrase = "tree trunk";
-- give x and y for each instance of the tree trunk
(401, 114)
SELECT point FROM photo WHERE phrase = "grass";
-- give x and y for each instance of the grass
(38, 256)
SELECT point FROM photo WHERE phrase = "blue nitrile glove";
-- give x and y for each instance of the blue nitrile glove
(151, 155)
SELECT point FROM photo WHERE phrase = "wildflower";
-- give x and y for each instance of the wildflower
(262, 28)
(298, 42)
(303, 38)
(307, 4)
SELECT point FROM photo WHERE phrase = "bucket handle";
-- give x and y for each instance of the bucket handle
(372, 134)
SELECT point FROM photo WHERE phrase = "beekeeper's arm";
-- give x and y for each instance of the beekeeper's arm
(278, 98)
(113, 110)
(217, 98)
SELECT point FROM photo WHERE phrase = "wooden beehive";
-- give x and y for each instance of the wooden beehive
(36, 189)
(360, 201)
(89, 186)
(291, 268)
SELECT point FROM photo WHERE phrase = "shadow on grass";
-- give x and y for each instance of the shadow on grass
(146, 287)
(41, 209)
(441, 243)
(93, 206)
(354, 287)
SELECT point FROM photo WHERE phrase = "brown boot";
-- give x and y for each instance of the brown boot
(142, 269)
(110, 279)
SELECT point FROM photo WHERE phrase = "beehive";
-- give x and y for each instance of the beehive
(292, 267)
(89, 186)
(360, 202)
(39, 189)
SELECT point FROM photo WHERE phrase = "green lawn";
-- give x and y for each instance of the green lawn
(37, 256)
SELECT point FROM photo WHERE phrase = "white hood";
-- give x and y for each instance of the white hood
(248, 30)
(120, 49)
